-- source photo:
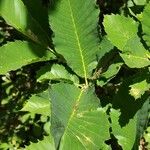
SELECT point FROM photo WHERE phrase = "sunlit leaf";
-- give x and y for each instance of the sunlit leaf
(16, 54)
(38, 104)
(55, 72)
(120, 29)
(45, 144)
(138, 89)
(76, 36)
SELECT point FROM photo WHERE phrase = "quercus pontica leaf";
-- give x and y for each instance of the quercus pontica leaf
(16, 54)
(16, 14)
(38, 104)
(135, 55)
(91, 92)
(126, 135)
(77, 119)
(45, 144)
(145, 24)
(124, 37)
(55, 72)
(138, 89)
(76, 37)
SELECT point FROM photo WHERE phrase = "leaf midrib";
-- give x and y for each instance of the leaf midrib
(78, 43)
(74, 109)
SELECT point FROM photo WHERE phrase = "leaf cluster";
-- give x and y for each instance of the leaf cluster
(74, 74)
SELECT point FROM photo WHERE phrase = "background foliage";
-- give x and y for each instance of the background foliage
(74, 74)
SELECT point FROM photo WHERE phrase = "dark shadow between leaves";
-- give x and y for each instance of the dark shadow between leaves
(127, 104)
(38, 27)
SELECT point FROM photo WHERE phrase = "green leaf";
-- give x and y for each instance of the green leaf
(132, 3)
(56, 72)
(5, 146)
(140, 2)
(76, 36)
(105, 47)
(77, 121)
(38, 104)
(135, 55)
(122, 32)
(16, 14)
(16, 54)
(45, 144)
(134, 61)
(142, 119)
(126, 135)
(146, 24)
(109, 74)
(42, 17)
(120, 29)
(147, 137)
(138, 89)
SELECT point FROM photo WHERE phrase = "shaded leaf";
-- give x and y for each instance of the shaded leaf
(77, 121)
(16, 54)
(76, 37)
(38, 104)
(56, 72)
(42, 17)
(142, 120)
(16, 14)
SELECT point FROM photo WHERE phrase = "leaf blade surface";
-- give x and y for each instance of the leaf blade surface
(76, 35)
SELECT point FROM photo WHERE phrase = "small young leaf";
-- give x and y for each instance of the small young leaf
(42, 17)
(56, 72)
(138, 89)
(16, 14)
